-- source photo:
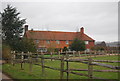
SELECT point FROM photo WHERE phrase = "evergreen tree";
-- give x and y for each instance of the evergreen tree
(77, 45)
(11, 25)
(12, 31)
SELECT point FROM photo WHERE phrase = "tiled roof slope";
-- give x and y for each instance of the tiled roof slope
(56, 35)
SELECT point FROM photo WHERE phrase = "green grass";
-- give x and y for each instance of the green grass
(50, 55)
(0, 67)
(36, 73)
(113, 57)
(106, 58)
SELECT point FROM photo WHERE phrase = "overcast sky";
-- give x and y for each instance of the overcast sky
(100, 19)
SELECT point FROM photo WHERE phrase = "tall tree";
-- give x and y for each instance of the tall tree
(77, 45)
(11, 25)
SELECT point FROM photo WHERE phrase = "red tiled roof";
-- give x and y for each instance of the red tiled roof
(55, 35)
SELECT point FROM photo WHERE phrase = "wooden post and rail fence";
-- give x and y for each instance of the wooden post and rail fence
(65, 58)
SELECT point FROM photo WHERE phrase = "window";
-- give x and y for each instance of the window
(48, 42)
(57, 41)
(42, 49)
(86, 42)
(37, 41)
(67, 42)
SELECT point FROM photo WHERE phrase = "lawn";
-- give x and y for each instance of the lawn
(17, 73)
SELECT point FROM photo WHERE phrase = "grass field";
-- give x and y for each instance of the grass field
(17, 73)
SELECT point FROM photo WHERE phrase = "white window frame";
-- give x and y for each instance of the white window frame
(67, 42)
(86, 42)
(57, 41)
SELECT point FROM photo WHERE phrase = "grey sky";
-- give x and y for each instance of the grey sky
(100, 19)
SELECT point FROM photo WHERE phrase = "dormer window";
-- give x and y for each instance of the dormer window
(86, 42)
(67, 42)
(57, 41)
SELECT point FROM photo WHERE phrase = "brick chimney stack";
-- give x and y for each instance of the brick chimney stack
(82, 30)
(26, 28)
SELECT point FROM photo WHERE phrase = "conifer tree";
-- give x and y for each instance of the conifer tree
(11, 25)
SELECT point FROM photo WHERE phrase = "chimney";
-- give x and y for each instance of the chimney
(82, 30)
(26, 28)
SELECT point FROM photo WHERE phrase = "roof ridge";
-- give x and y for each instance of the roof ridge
(50, 31)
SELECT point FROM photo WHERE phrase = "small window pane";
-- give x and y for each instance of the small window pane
(37, 41)
(57, 41)
(67, 42)
(48, 42)
(86, 42)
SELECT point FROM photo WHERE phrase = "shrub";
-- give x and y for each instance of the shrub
(77, 45)
(6, 52)
(65, 49)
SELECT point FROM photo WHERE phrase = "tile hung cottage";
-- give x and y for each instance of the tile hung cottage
(57, 39)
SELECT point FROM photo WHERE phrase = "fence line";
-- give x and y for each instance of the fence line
(65, 58)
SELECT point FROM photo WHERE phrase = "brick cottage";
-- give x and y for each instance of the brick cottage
(57, 39)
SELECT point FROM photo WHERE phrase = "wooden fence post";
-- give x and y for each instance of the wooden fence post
(13, 57)
(105, 52)
(79, 53)
(112, 52)
(73, 54)
(42, 63)
(90, 53)
(22, 57)
(62, 67)
(99, 52)
(109, 53)
(37, 58)
(59, 54)
(85, 53)
(90, 68)
(95, 54)
(67, 66)
(51, 54)
(117, 52)
(30, 61)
